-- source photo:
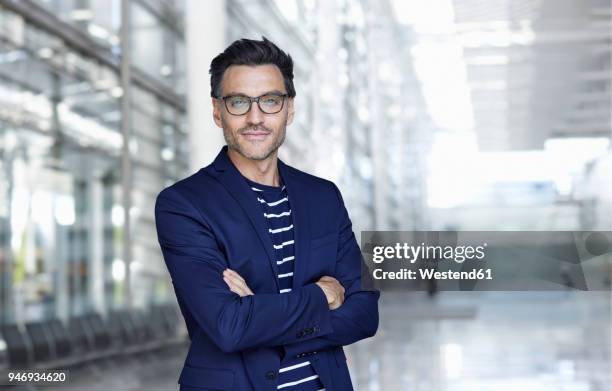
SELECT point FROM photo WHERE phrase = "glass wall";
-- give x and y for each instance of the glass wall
(61, 193)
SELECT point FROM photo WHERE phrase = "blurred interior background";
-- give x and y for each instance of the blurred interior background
(440, 115)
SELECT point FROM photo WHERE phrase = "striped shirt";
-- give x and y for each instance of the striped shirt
(295, 374)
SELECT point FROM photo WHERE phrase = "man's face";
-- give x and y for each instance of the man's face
(254, 135)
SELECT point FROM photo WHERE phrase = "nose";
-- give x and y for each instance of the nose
(254, 116)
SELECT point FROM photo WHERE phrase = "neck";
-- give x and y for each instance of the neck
(260, 171)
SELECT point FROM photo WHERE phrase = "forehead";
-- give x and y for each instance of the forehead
(252, 80)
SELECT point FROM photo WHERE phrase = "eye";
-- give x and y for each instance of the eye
(271, 100)
(238, 101)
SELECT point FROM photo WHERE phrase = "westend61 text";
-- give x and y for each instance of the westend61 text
(433, 274)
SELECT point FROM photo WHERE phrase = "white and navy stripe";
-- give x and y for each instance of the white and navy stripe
(294, 374)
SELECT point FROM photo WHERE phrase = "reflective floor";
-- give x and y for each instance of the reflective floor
(454, 341)
(488, 341)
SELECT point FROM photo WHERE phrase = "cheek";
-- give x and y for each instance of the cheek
(231, 123)
(280, 123)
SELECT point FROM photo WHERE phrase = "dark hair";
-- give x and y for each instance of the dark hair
(251, 52)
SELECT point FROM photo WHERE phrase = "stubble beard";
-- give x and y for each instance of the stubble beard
(232, 142)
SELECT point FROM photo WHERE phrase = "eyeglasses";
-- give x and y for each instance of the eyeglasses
(241, 104)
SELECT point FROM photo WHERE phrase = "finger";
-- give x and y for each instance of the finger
(236, 281)
(239, 283)
(234, 274)
(231, 285)
(327, 278)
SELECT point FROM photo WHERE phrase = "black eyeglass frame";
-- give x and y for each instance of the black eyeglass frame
(251, 100)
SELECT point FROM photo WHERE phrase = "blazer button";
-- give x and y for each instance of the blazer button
(270, 375)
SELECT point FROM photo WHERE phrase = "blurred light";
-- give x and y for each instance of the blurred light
(387, 72)
(42, 207)
(111, 116)
(355, 15)
(343, 79)
(71, 58)
(165, 70)
(135, 266)
(117, 217)
(13, 56)
(289, 9)
(327, 93)
(134, 212)
(10, 140)
(64, 210)
(45, 53)
(133, 146)
(452, 357)
(495, 34)
(453, 165)
(88, 130)
(365, 168)
(581, 147)
(489, 85)
(394, 110)
(441, 70)
(81, 14)
(2, 345)
(498, 59)
(118, 269)
(309, 4)
(338, 158)
(114, 40)
(98, 31)
(364, 114)
(116, 92)
(567, 369)
(167, 154)
(582, 150)
(432, 17)
(438, 60)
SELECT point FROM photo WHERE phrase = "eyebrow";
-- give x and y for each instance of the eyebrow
(265, 93)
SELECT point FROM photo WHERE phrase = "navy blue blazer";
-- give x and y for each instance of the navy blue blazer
(211, 221)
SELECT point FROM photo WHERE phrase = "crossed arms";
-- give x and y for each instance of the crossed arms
(334, 310)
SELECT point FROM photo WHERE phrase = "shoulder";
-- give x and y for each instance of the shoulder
(197, 186)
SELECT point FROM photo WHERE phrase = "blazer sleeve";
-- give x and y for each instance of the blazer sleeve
(196, 264)
(357, 317)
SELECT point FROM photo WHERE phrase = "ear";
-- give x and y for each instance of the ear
(290, 110)
(216, 104)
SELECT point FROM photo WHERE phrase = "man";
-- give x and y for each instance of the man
(264, 263)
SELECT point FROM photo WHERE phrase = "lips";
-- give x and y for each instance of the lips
(255, 135)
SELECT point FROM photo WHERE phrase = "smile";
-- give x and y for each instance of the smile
(255, 135)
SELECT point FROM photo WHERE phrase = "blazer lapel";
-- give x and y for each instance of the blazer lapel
(239, 189)
(301, 223)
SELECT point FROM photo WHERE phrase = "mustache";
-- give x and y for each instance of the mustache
(254, 129)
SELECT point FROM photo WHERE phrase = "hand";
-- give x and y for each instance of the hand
(334, 291)
(236, 283)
